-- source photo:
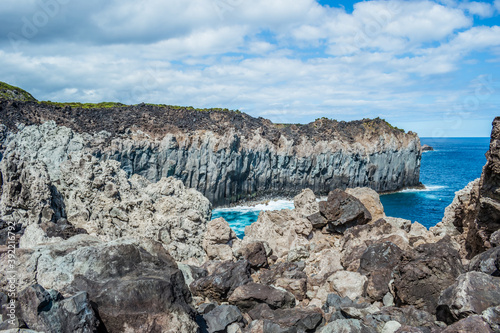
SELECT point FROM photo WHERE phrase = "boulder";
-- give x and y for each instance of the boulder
(286, 275)
(305, 203)
(356, 240)
(406, 316)
(221, 317)
(284, 320)
(49, 311)
(282, 230)
(256, 254)
(424, 272)
(217, 241)
(492, 317)
(348, 284)
(122, 278)
(487, 262)
(221, 283)
(377, 263)
(347, 326)
(472, 293)
(342, 211)
(251, 294)
(370, 199)
(469, 324)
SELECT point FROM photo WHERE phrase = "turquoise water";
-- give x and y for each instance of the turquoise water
(450, 167)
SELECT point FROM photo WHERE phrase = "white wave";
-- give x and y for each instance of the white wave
(271, 205)
(428, 188)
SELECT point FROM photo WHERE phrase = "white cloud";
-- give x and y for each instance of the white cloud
(480, 9)
(294, 61)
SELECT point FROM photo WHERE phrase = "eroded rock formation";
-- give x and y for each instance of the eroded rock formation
(227, 156)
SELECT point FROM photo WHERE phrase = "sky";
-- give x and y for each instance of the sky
(432, 67)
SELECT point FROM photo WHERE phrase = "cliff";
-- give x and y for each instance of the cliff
(227, 156)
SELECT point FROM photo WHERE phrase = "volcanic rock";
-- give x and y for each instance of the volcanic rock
(218, 239)
(342, 211)
(424, 272)
(221, 283)
(251, 294)
(221, 317)
(487, 262)
(472, 293)
(122, 278)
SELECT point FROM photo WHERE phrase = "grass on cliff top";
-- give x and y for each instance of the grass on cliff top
(105, 105)
(13, 93)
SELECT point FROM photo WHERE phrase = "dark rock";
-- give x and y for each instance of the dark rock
(334, 300)
(287, 275)
(17, 229)
(62, 228)
(221, 317)
(206, 307)
(487, 221)
(468, 325)
(226, 277)
(427, 148)
(47, 311)
(342, 211)
(255, 254)
(132, 285)
(380, 256)
(408, 315)
(284, 320)
(424, 273)
(347, 326)
(251, 294)
(377, 263)
(317, 220)
(472, 293)
(289, 270)
(487, 262)
(492, 317)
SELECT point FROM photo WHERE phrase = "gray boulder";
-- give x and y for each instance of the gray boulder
(472, 293)
(47, 310)
(221, 317)
(487, 262)
(122, 278)
(251, 294)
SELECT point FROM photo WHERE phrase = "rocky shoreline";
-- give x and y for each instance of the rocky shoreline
(87, 246)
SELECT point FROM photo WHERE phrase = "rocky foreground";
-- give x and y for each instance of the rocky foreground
(227, 156)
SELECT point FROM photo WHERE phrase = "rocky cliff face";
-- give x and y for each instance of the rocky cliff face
(227, 156)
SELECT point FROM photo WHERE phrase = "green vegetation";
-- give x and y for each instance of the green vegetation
(369, 123)
(177, 107)
(11, 93)
(84, 105)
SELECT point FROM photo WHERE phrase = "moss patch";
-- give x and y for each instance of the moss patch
(11, 93)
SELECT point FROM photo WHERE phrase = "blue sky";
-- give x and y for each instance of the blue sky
(432, 67)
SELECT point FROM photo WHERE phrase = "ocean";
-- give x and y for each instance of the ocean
(450, 167)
